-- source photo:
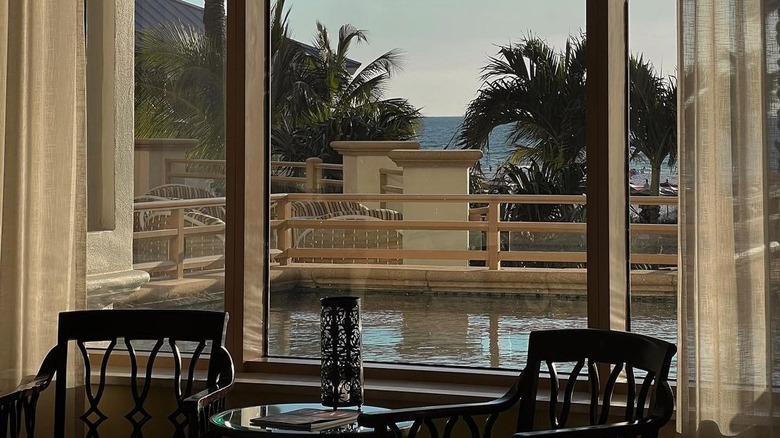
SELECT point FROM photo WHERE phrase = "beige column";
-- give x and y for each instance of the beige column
(441, 173)
(150, 155)
(111, 42)
(362, 163)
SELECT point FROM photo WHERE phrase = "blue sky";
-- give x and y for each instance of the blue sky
(446, 42)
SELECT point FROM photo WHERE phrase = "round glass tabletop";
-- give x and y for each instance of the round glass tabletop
(236, 422)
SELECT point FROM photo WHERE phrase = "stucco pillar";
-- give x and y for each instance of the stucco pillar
(362, 161)
(111, 42)
(441, 173)
(150, 155)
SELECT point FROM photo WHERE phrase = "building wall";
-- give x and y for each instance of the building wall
(110, 153)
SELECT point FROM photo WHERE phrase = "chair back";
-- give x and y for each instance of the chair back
(200, 333)
(599, 361)
(183, 191)
(337, 239)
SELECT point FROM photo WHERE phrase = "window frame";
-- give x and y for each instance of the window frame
(247, 294)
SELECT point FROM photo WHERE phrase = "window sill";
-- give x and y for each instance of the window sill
(391, 383)
(387, 385)
(389, 393)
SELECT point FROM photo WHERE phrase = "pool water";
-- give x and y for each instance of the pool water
(474, 330)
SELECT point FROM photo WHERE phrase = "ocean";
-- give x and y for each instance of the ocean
(439, 133)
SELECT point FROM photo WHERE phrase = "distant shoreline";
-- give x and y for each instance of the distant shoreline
(438, 132)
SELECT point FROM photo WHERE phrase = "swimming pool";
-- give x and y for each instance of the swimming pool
(475, 330)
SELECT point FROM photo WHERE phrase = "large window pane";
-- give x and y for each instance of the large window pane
(178, 179)
(456, 257)
(653, 173)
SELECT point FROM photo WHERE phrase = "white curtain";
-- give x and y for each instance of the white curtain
(729, 200)
(42, 177)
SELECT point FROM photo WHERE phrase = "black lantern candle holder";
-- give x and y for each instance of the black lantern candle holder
(342, 364)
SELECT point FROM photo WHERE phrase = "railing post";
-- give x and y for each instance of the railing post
(168, 169)
(313, 174)
(382, 184)
(493, 246)
(284, 232)
(176, 221)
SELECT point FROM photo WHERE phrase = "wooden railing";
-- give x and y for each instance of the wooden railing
(313, 181)
(214, 170)
(175, 237)
(168, 232)
(483, 219)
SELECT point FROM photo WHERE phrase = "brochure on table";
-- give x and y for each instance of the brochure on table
(307, 419)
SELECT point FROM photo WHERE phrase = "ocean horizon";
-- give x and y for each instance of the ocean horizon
(439, 132)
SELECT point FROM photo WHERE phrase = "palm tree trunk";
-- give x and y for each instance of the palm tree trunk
(651, 214)
(214, 21)
(655, 180)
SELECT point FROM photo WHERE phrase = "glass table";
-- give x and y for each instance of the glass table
(235, 422)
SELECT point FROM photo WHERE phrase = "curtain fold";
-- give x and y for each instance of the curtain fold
(42, 188)
(729, 219)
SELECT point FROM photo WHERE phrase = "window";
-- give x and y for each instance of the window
(399, 232)
(109, 38)
(168, 166)
(285, 241)
(462, 296)
(653, 172)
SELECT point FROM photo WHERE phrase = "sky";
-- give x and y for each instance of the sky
(445, 43)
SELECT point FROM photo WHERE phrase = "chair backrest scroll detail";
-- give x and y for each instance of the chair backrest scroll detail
(161, 335)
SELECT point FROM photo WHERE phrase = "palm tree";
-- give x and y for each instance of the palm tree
(316, 99)
(288, 78)
(214, 21)
(541, 94)
(544, 179)
(653, 114)
(179, 88)
(540, 179)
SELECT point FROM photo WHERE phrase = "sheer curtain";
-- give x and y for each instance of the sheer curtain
(729, 215)
(42, 183)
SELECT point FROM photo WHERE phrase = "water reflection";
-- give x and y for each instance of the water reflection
(473, 330)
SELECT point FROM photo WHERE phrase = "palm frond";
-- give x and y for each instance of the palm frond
(316, 99)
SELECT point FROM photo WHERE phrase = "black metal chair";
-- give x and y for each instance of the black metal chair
(201, 333)
(646, 402)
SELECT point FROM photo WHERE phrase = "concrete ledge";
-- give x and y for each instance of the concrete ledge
(200, 287)
(474, 280)
(106, 288)
(371, 147)
(165, 144)
(435, 158)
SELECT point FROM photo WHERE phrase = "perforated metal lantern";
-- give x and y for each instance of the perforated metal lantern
(342, 362)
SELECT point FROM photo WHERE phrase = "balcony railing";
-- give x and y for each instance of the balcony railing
(482, 220)
(172, 237)
(183, 240)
